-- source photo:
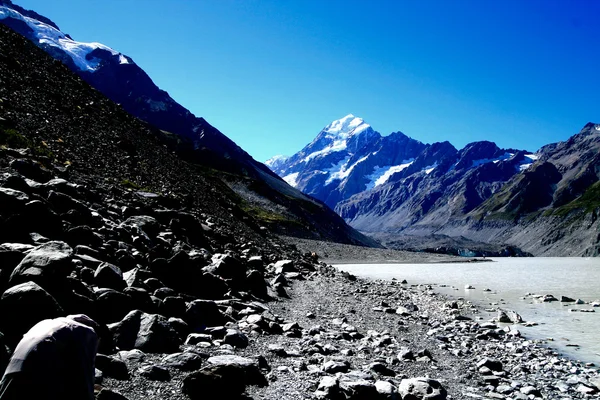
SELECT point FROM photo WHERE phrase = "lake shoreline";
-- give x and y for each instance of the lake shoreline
(338, 253)
(372, 331)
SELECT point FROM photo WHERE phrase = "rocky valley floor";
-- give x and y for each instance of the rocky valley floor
(350, 339)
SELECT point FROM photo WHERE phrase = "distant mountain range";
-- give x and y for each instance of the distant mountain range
(393, 187)
(397, 189)
(260, 192)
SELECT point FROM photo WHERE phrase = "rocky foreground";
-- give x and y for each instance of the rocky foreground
(189, 312)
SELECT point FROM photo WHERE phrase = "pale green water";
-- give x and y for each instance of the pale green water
(510, 279)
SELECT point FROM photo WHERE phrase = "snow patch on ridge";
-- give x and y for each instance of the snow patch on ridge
(276, 161)
(338, 145)
(78, 51)
(382, 174)
(527, 162)
(430, 168)
(503, 157)
(292, 179)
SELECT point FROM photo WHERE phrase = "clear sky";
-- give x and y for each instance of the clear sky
(270, 74)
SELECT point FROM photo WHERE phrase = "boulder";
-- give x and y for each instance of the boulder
(173, 306)
(332, 366)
(283, 266)
(47, 265)
(195, 338)
(155, 373)
(421, 389)
(132, 356)
(255, 283)
(509, 316)
(186, 361)
(23, 306)
(142, 224)
(38, 217)
(109, 276)
(112, 306)
(328, 388)
(492, 364)
(150, 333)
(203, 313)
(11, 254)
(225, 377)
(565, 299)
(235, 338)
(217, 382)
(112, 367)
(358, 389)
(141, 299)
(227, 266)
(386, 390)
(32, 170)
(83, 235)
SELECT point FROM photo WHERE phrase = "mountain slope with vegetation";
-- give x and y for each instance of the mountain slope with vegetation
(247, 187)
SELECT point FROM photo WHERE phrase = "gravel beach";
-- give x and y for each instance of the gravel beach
(339, 337)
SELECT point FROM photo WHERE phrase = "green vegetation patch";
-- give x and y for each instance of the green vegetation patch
(264, 215)
(10, 137)
(130, 185)
(588, 201)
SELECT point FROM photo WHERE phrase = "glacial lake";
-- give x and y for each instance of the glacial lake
(574, 334)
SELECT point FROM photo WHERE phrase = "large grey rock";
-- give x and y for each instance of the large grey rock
(203, 313)
(332, 366)
(109, 276)
(359, 389)
(150, 333)
(227, 266)
(509, 316)
(328, 388)
(47, 264)
(12, 200)
(112, 305)
(186, 361)
(386, 390)
(492, 364)
(155, 373)
(235, 338)
(421, 389)
(283, 266)
(224, 377)
(112, 367)
(142, 224)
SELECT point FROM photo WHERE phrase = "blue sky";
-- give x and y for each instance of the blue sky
(270, 74)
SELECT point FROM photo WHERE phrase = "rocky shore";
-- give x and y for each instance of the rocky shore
(191, 309)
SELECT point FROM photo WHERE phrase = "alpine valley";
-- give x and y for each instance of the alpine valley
(479, 200)
(207, 272)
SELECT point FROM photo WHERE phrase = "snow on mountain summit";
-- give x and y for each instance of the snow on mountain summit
(345, 127)
(84, 55)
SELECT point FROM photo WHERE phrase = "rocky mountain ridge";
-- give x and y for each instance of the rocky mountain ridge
(441, 191)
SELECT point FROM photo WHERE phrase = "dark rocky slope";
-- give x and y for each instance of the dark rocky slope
(253, 188)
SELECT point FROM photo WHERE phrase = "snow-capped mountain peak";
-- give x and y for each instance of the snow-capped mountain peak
(345, 127)
(86, 56)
